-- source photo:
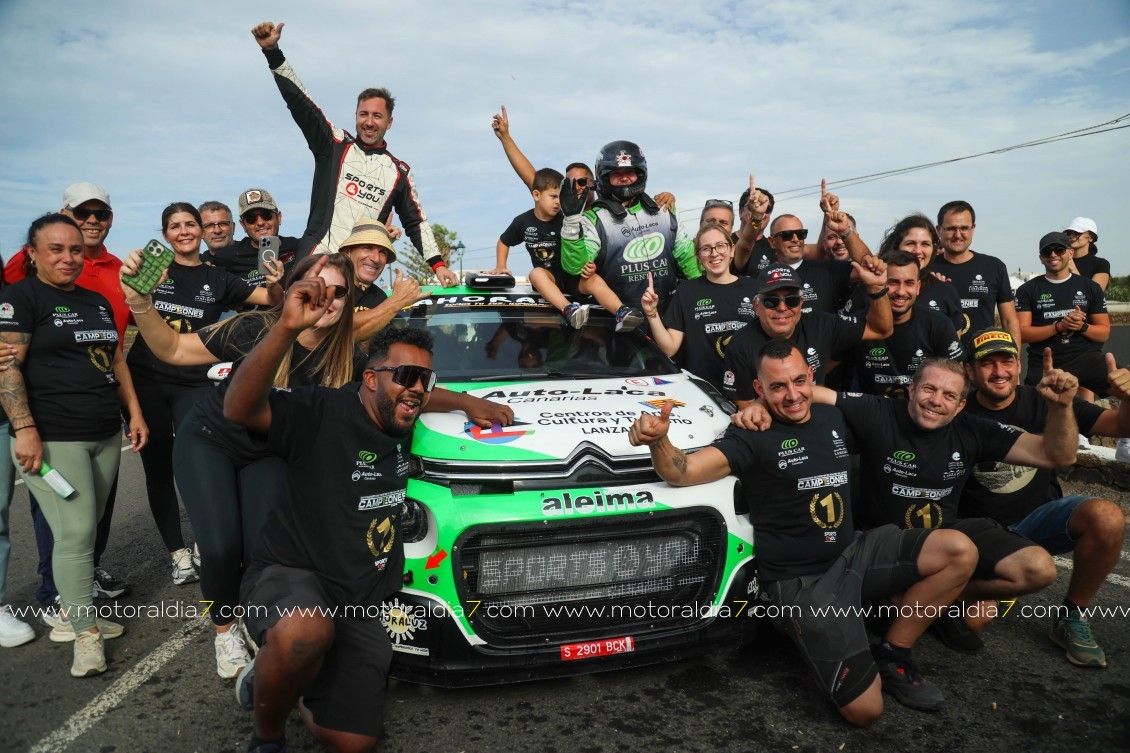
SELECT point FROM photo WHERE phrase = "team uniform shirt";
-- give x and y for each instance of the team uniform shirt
(346, 482)
(232, 342)
(760, 257)
(1048, 302)
(818, 335)
(370, 298)
(708, 314)
(940, 297)
(542, 239)
(69, 367)
(353, 183)
(1091, 265)
(826, 284)
(982, 284)
(626, 250)
(886, 367)
(797, 487)
(913, 476)
(1008, 493)
(101, 274)
(242, 259)
(190, 299)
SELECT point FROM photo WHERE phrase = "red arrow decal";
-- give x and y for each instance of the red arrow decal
(435, 559)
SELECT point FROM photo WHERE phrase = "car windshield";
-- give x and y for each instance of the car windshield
(479, 337)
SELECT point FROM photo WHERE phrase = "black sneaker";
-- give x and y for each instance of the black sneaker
(245, 687)
(628, 318)
(106, 586)
(902, 679)
(954, 633)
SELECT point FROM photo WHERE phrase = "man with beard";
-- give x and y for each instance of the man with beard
(1031, 502)
(259, 216)
(331, 542)
(886, 367)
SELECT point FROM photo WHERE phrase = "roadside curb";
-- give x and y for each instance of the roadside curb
(1096, 465)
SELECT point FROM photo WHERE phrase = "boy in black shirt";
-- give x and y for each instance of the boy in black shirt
(809, 555)
(332, 541)
(540, 230)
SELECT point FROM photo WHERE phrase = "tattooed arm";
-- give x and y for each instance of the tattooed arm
(13, 396)
(673, 465)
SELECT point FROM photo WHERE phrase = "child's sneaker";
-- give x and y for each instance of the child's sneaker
(577, 315)
(628, 318)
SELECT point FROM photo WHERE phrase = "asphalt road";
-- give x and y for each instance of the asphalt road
(162, 693)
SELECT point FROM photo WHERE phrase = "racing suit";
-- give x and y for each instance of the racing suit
(353, 183)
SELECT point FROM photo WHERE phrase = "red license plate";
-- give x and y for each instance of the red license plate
(593, 649)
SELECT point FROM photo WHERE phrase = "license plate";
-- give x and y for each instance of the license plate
(593, 649)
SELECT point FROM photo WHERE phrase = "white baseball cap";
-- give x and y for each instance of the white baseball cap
(1084, 225)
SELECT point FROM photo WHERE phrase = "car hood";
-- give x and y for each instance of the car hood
(552, 418)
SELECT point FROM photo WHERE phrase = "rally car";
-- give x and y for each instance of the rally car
(551, 546)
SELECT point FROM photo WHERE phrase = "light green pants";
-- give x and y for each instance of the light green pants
(90, 467)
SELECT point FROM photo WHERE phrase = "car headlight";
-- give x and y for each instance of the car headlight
(413, 521)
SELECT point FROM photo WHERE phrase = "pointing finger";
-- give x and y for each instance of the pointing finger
(823, 187)
(1048, 365)
(316, 267)
(650, 283)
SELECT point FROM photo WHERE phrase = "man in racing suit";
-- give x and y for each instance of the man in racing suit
(356, 179)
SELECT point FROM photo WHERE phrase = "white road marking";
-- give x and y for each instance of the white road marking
(1118, 580)
(105, 701)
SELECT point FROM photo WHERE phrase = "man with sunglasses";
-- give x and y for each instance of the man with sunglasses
(817, 334)
(332, 543)
(356, 179)
(826, 283)
(1064, 312)
(259, 216)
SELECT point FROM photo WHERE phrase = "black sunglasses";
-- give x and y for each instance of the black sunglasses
(773, 301)
(1057, 250)
(82, 215)
(711, 203)
(257, 215)
(407, 376)
(582, 182)
(788, 235)
(339, 291)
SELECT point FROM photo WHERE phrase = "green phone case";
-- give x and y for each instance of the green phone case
(155, 259)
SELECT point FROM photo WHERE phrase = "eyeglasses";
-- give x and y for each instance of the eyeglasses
(774, 301)
(711, 203)
(1057, 250)
(788, 235)
(407, 376)
(257, 215)
(717, 248)
(218, 226)
(82, 215)
(954, 229)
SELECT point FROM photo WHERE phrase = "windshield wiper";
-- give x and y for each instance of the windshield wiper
(507, 377)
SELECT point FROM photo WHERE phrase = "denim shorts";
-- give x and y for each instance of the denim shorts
(1047, 524)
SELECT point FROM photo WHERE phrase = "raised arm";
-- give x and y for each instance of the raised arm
(270, 294)
(501, 125)
(752, 231)
(405, 292)
(668, 340)
(179, 349)
(1057, 447)
(872, 273)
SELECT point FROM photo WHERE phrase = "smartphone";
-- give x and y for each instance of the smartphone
(269, 248)
(155, 259)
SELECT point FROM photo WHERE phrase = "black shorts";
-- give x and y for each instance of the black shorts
(877, 564)
(566, 282)
(994, 542)
(349, 692)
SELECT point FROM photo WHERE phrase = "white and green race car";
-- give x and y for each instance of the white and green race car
(551, 546)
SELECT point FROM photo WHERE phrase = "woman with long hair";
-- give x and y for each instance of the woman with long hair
(917, 235)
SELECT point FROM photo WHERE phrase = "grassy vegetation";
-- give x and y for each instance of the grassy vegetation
(1119, 289)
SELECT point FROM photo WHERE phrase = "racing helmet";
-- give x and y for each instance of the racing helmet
(613, 156)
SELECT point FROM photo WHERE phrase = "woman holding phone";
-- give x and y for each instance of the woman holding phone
(192, 296)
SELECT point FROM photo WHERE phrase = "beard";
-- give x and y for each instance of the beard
(390, 422)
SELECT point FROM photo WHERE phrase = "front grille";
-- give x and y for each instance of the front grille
(529, 584)
(587, 465)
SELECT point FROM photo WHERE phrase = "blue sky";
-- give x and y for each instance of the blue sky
(161, 103)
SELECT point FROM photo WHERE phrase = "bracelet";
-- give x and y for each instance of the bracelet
(21, 428)
(845, 236)
(877, 296)
(1086, 326)
(437, 265)
(145, 311)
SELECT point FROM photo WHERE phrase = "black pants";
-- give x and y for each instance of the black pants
(227, 499)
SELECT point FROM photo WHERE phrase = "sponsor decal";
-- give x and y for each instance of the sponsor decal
(659, 381)
(176, 308)
(377, 501)
(658, 404)
(992, 336)
(728, 379)
(367, 457)
(636, 382)
(62, 310)
(789, 444)
(876, 352)
(497, 433)
(7, 311)
(821, 481)
(644, 248)
(401, 623)
(904, 456)
(597, 501)
(918, 492)
(96, 335)
(623, 159)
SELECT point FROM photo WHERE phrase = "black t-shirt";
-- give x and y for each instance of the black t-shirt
(914, 477)
(542, 238)
(346, 482)
(941, 297)
(826, 284)
(190, 299)
(981, 284)
(818, 335)
(708, 314)
(242, 258)
(69, 367)
(760, 257)
(1091, 265)
(796, 482)
(886, 367)
(1049, 302)
(232, 342)
(1008, 493)
(370, 298)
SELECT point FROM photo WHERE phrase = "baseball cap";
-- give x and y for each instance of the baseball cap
(372, 233)
(1083, 224)
(1055, 239)
(256, 198)
(993, 340)
(80, 193)
(777, 276)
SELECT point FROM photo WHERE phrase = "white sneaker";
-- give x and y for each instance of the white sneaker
(1122, 451)
(64, 632)
(1084, 442)
(90, 655)
(183, 571)
(231, 652)
(13, 630)
(52, 616)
